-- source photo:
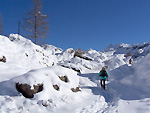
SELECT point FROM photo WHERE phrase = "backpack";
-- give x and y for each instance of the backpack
(103, 73)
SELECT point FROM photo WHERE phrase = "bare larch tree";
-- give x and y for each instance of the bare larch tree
(36, 23)
(1, 25)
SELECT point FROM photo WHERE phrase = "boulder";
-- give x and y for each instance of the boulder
(3, 59)
(64, 78)
(56, 87)
(26, 90)
(75, 89)
(80, 53)
(77, 70)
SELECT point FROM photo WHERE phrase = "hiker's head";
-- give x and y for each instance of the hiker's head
(103, 68)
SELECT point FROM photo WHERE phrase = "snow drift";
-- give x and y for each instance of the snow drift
(48, 77)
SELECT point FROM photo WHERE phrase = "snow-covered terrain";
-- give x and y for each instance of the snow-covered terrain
(22, 62)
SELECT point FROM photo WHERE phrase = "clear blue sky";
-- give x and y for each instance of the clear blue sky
(85, 24)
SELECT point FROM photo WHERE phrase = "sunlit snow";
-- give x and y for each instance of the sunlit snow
(127, 90)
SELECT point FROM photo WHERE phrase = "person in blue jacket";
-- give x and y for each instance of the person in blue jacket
(103, 76)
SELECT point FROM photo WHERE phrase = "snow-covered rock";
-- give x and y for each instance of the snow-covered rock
(54, 50)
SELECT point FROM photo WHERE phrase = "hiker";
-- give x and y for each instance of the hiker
(130, 60)
(103, 76)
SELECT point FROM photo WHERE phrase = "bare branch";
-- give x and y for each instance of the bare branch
(36, 22)
(1, 25)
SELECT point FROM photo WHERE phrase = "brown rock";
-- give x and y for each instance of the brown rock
(26, 91)
(75, 89)
(3, 59)
(64, 78)
(56, 87)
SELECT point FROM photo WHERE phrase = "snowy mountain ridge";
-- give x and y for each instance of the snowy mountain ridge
(68, 79)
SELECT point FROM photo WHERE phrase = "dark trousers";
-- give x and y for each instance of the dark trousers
(103, 83)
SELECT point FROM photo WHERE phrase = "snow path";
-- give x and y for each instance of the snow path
(121, 96)
(104, 100)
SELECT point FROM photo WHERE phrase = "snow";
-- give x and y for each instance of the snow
(134, 106)
(127, 90)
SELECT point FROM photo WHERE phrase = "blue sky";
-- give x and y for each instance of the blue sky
(85, 24)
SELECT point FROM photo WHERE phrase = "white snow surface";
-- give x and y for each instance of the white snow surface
(127, 90)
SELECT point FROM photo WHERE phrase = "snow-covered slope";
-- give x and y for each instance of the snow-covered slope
(23, 62)
(131, 84)
(23, 55)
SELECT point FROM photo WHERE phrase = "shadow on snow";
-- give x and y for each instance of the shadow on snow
(116, 88)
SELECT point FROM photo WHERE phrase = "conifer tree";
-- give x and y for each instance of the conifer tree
(36, 23)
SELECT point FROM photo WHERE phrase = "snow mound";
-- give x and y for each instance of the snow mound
(48, 77)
